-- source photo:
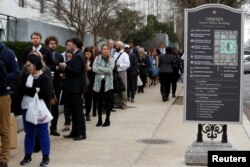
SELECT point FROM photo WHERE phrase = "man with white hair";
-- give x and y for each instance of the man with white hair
(121, 64)
(110, 43)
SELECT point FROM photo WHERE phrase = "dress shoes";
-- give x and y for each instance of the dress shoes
(106, 123)
(44, 163)
(123, 107)
(69, 135)
(25, 161)
(2, 164)
(66, 128)
(79, 137)
(88, 118)
(99, 123)
(164, 98)
(54, 133)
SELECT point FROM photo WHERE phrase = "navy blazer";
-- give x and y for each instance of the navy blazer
(57, 71)
(75, 74)
(44, 51)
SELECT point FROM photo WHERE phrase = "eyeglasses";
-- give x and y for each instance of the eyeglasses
(52, 43)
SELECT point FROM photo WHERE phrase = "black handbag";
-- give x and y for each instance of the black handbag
(117, 81)
(118, 84)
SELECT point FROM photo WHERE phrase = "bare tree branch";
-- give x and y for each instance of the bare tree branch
(99, 12)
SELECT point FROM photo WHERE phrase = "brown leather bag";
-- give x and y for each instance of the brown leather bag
(53, 100)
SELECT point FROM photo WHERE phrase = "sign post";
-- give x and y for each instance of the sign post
(213, 70)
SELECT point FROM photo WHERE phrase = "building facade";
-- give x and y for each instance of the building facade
(23, 17)
(162, 9)
(26, 16)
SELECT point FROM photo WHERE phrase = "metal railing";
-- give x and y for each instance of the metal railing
(10, 28)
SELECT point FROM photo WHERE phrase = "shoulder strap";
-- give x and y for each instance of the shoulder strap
(118, 57)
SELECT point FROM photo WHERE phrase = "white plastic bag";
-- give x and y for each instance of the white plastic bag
(44, 115)
(139, 82)
(31, 114)
(38, 112)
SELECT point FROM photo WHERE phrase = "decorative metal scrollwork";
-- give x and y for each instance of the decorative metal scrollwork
(212, 130)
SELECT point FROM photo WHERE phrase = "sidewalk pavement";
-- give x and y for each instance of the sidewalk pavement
(150, 133)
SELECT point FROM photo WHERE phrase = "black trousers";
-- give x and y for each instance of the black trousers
(104, 101)
(165, 80)
(55, 109)
(90, 100)
(132, 80)
(174, 83)
(67, 112)
(76, 108)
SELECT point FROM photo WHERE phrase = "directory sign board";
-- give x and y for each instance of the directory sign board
(213, 64)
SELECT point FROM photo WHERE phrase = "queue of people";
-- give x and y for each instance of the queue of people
(80, 78)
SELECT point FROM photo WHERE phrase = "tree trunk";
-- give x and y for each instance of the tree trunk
(82, 37)
(95, 38)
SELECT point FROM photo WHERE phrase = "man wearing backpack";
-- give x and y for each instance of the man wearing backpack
(9, 72)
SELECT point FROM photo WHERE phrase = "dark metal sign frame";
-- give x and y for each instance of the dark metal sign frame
(213, 64)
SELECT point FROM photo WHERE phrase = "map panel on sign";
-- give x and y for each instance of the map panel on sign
(225, 48)
(228, 46)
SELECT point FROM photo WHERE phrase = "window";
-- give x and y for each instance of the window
(158, 14)
(1, 32)
(158, 2)
(58, 10)
(42, 4)
(246, 52)
(247, 59)
(71, 7)
(22, 3)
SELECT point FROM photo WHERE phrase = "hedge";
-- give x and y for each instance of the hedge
(19, 46)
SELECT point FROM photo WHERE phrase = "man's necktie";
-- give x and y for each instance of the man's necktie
(53, 56)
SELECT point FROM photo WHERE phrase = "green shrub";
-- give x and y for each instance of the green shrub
(19, 46)
(60, 49)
